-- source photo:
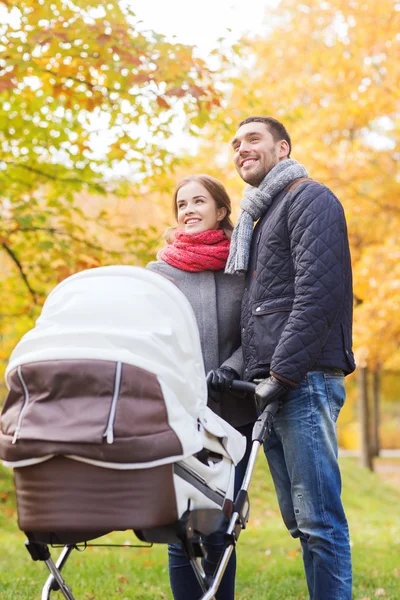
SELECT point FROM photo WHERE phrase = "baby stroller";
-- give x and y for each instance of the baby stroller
(107, 428)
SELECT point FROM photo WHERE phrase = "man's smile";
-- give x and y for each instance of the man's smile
(248, 161)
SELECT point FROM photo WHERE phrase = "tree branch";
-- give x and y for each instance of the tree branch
(95, 186)
(21, 270)
(54, 231)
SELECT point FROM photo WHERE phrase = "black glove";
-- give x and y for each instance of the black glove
(268, 390)
(221, 379)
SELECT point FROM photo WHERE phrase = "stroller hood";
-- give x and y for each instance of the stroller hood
(128, 317)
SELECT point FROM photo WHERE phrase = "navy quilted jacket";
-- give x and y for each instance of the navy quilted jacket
(297, 306)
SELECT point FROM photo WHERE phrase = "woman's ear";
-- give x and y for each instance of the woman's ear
(221, 213)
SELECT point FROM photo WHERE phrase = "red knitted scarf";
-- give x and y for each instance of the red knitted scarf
(204, 251)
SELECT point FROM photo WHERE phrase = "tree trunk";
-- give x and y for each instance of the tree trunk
(376, 389)
(366, 454)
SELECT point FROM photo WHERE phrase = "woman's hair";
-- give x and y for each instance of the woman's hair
(216, 191)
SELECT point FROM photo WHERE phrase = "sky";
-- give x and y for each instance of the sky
(202, 22)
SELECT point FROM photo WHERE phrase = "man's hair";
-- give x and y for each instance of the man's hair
(275, 127)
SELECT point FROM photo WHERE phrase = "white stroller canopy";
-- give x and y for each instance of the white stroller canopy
(137, 317)
(126, 314)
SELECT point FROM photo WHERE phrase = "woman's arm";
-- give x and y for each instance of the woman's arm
(235, 362)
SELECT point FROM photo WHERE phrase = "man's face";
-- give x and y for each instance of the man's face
(255, 152)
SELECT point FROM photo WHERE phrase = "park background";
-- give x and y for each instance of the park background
(103, 110)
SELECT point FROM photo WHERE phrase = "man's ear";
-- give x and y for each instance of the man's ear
(284, 149)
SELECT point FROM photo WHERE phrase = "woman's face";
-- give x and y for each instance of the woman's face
(197, 209)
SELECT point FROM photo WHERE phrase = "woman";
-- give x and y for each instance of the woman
(194, 258)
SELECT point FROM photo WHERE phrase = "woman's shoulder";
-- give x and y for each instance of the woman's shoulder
(161, 266)
(157, 265)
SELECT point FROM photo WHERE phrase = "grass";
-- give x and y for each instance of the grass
(269, 561)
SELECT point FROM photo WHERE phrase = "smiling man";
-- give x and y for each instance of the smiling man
(296, 338)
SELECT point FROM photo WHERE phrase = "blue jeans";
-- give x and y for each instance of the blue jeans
(183, 581)
(302, 455)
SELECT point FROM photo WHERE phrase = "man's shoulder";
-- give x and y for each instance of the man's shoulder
(306, 185)
(311, 189)
(300, 182)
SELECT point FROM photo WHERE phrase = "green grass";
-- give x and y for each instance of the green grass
(269, 561)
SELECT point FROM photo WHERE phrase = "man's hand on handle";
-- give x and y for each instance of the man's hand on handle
(268, 390)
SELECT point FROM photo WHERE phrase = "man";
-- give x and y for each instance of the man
(296, 337)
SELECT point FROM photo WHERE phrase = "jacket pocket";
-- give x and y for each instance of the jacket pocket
(269, 318)
(273, 305)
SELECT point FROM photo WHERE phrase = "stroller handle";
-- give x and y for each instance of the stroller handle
(238, 385)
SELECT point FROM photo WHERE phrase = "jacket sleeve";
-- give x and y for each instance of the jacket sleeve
(318, 238)
(235, 362)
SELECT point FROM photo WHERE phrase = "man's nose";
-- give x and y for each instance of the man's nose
(244, 147)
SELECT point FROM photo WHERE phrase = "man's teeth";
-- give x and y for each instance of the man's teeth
(248, 161)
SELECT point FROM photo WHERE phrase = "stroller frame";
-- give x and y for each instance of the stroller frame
(185, 528)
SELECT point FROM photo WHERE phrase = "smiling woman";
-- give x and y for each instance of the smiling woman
(201, 203)
(197, 209)
(194, 258)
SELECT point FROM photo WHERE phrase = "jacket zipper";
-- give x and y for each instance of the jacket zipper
(109, 432)
(25, 404)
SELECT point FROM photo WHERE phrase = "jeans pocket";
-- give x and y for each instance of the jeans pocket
(336, 393)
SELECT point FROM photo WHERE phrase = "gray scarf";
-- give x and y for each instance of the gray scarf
(254, 205)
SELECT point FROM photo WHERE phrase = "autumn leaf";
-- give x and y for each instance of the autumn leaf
(7, 83)
(162, 102)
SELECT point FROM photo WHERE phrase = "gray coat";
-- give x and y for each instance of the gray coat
(216, 301)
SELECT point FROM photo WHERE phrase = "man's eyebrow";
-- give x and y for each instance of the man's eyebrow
(246, 135)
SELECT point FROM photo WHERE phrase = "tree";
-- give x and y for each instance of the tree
(364, 409)
(86, 92)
